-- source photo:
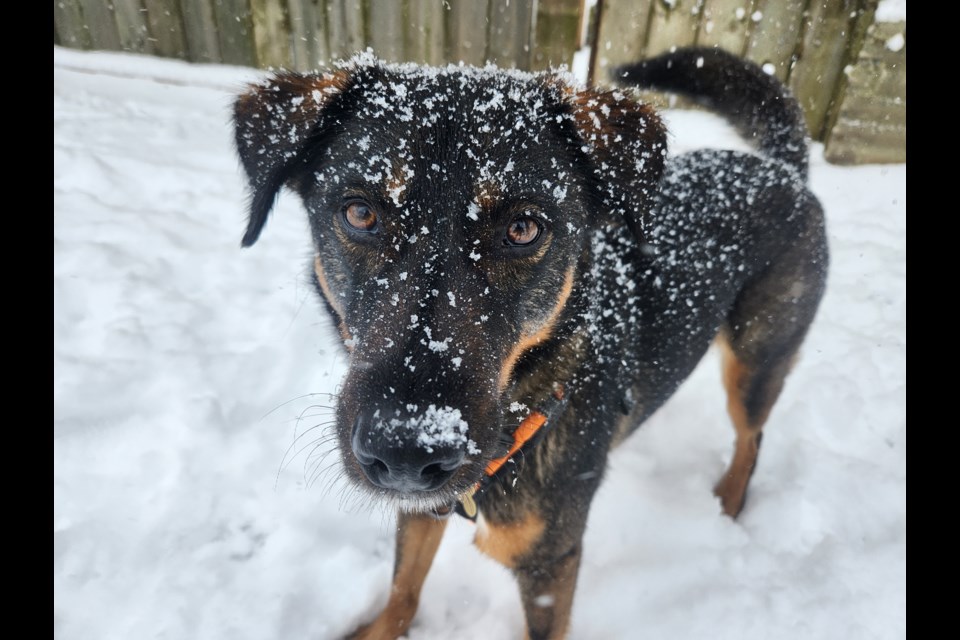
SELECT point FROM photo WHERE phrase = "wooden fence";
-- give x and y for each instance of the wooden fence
(848, 71)
(838, 62)
(302, 34)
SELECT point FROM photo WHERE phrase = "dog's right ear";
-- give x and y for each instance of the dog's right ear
(273, 126)
(627, 142)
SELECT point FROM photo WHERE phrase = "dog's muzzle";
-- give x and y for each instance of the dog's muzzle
(398, 457)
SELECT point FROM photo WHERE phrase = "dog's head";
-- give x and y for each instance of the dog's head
(450, 209)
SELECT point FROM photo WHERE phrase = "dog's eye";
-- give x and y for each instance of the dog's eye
(360, 216)
(522, 231)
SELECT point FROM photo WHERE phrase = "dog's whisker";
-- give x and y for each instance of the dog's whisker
(319, 457)
(299, 444)
(300, 397)
(349, 497)
(316, 467)
(325, 435)
(306, 416)
(298, 447)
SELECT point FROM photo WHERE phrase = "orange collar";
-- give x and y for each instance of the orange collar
(528, 433)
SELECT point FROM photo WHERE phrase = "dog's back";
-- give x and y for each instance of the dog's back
(740, 248)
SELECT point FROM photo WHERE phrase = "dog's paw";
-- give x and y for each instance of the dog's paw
(360, 633)
(732, 492)
(384, 627)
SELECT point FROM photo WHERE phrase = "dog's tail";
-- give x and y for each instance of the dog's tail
(756, 103)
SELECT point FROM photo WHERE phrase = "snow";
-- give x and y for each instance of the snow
(436, 426)
(892, 11)
(195, 490)
(895, 42)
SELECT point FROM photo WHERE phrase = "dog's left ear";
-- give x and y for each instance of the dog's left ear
(627, 143)
(274, 128)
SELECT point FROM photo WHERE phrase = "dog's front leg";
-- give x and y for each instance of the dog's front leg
(418, 537)
(545, 561)
(546, 588)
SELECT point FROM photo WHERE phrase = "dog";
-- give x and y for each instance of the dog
(521, 275)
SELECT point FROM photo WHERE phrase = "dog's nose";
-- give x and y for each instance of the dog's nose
(400, 462)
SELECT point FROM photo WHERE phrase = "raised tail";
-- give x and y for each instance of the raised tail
(756, 103)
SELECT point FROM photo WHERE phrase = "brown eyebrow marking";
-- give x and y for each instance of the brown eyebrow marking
(487, 195)
(396, 186)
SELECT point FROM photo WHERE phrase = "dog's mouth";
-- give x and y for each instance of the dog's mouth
(440, 501)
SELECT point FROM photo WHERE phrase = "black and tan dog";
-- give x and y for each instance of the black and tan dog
(514, 263)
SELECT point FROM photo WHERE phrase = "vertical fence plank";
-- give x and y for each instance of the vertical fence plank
(235, 32)
(346, 27)
(300, 20)
(861, 21)
(166, 28)
(871, 125)
(556, 34)
(821, 59)
(270, 33)
(673, 23)
(69, 24)
(98, 18)
(388, 22)
(132, 26)
(775, 38)
(725, 24)
(508, 39)
(621, 35)
(200, 29)
(345, 21)
(424, 31)
(308, 33)
(467, 26)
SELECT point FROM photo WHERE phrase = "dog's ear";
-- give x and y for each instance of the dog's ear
(627, 143)
(274, 124)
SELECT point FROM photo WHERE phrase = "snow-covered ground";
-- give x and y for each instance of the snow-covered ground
(191, 381)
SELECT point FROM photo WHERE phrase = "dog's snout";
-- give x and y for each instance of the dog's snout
(398, 460)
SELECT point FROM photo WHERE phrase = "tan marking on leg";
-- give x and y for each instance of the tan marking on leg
(738, 378)
(732, 486)
(418, 537)
(328, 294)
(530, 339)
(506, 543)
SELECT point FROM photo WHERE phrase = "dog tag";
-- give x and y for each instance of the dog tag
(469, 506)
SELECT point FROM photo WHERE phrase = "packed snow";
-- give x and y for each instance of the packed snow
(196, 490)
